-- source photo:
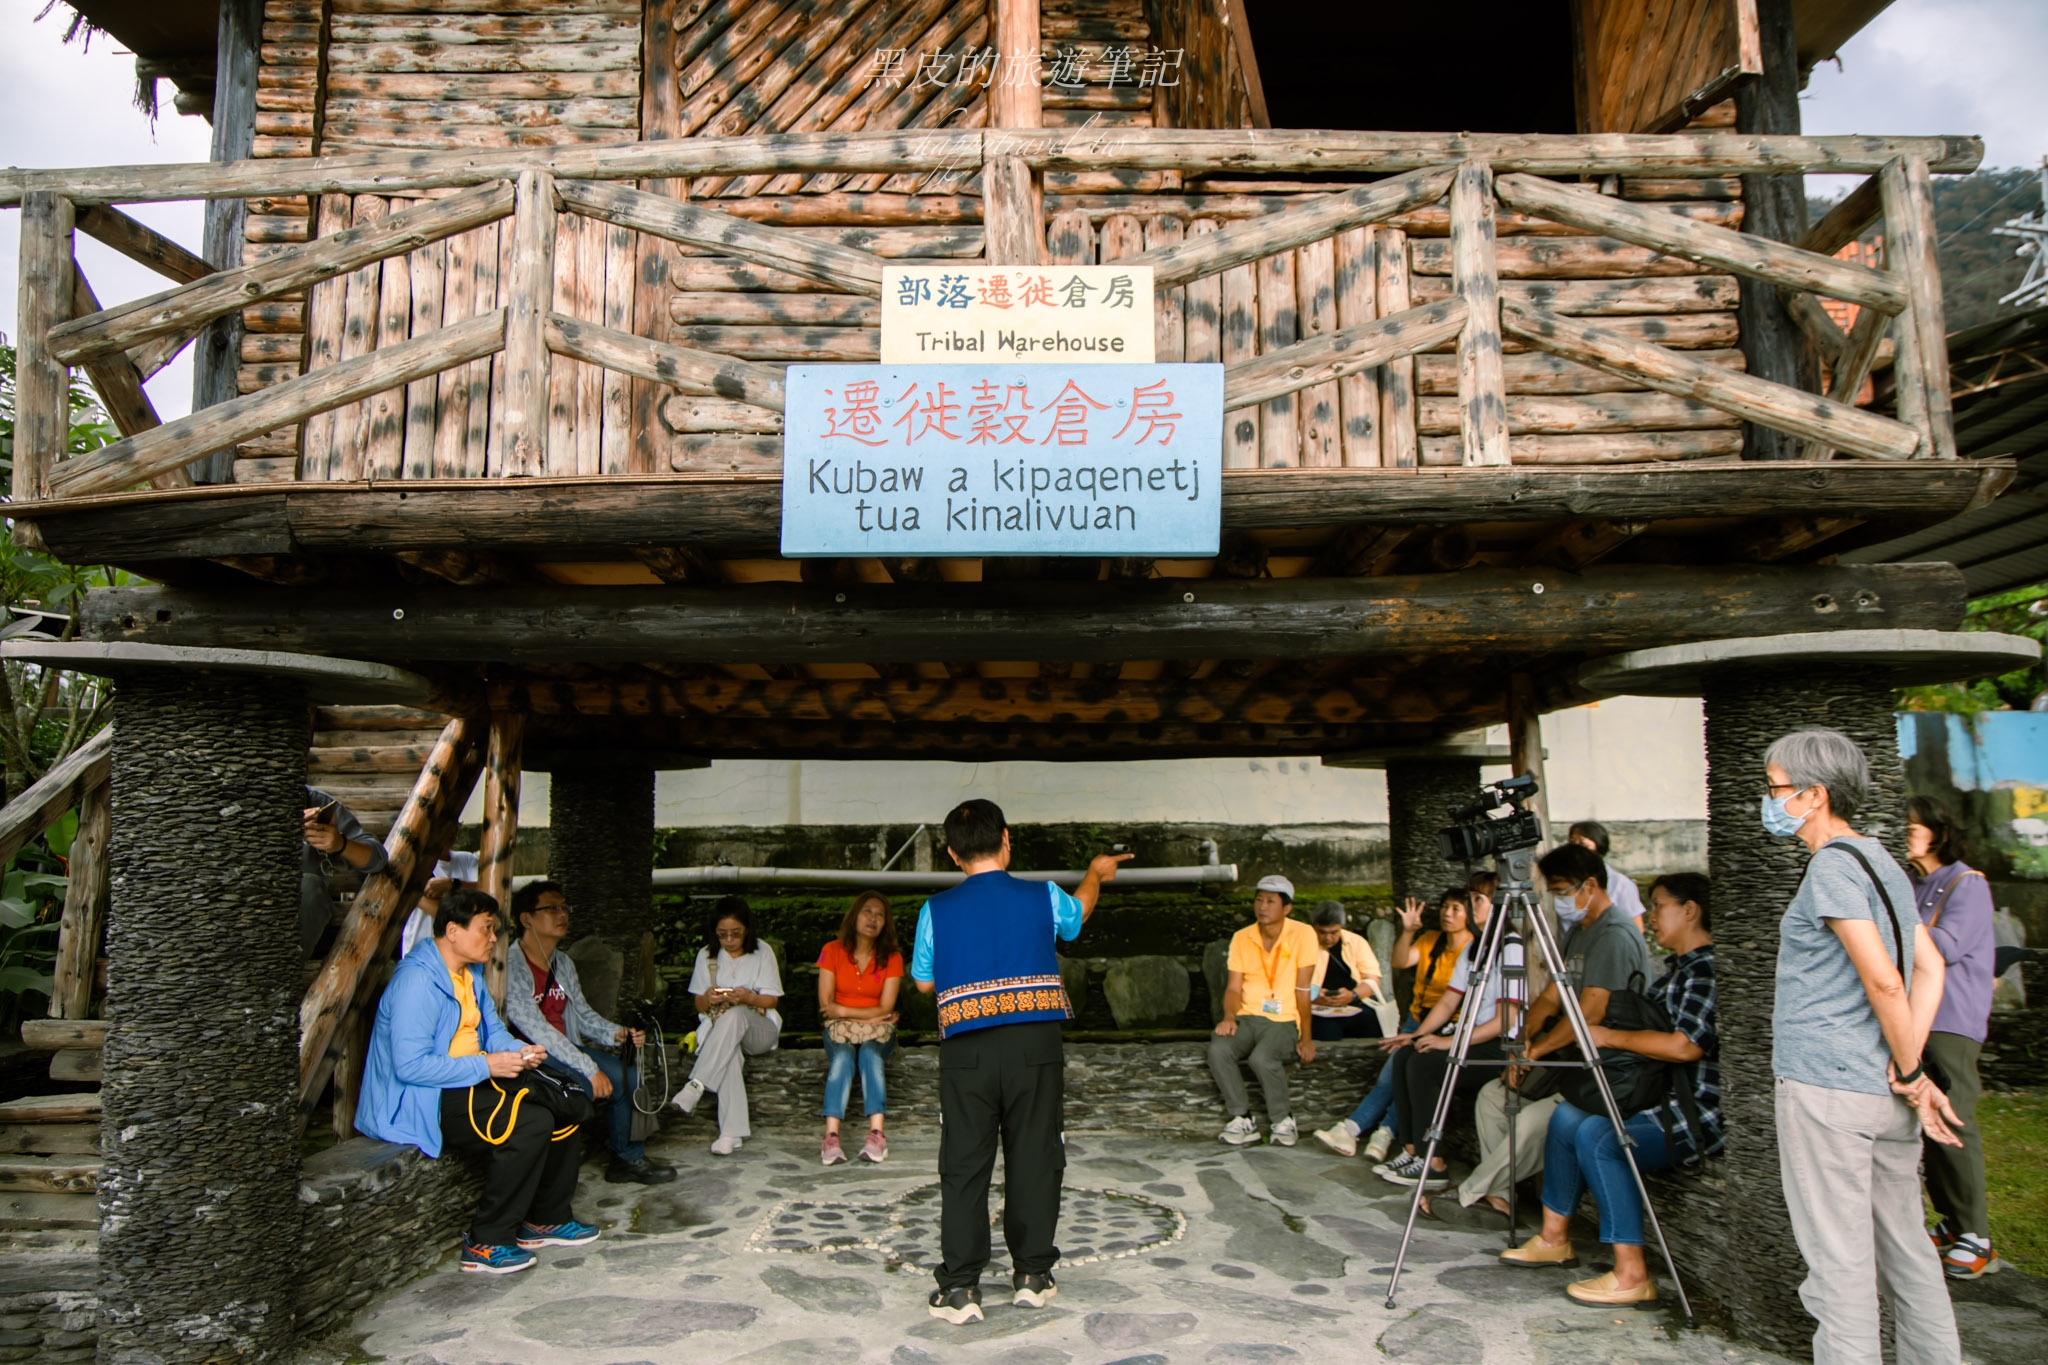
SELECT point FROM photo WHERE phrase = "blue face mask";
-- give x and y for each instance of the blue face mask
(1778, 820)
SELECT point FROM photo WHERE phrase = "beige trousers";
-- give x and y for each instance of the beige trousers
(1490, 1115)
(722, 1052)
(1851, 1168)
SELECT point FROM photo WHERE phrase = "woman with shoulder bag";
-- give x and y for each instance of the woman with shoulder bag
(736, 985)
(859, 974)
(1954, 902)
(1858, 984)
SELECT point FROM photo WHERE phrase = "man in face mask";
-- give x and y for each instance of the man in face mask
(1601, 947)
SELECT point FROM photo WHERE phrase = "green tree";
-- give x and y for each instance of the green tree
(2021, 611)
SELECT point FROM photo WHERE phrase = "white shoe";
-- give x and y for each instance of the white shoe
(725, 1146)
(1284, 1132)
(1338, 1139)
(1239, 1131)
(686, 1098)
(1379, 1144)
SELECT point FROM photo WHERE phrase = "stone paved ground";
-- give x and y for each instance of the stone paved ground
(1195, 1255)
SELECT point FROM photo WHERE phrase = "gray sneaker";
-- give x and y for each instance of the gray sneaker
(1239, 1131)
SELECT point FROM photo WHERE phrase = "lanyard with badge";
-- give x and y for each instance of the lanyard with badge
(1270, 1006)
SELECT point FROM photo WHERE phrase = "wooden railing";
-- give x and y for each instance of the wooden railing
(62, 324)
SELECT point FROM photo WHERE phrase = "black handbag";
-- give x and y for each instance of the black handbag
(1638, 1082)
(568, 1101)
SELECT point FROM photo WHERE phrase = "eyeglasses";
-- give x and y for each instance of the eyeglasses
(561, 909)
(1773, 788)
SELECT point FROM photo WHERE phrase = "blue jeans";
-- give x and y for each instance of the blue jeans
(841, 1060)
(625, 1080)
(1376, 1110)
(1581, 1151)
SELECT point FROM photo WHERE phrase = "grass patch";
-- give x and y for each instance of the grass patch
(2015, 1127)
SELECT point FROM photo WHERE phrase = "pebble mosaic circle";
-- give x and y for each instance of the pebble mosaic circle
(1095, 1225)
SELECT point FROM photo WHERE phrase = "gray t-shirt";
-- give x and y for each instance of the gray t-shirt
(1823, 1030)
(1605, 953)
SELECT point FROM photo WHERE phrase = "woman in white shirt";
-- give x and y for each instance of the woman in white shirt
(737, 986)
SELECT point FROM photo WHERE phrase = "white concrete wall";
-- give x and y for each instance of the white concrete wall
(1631, 758)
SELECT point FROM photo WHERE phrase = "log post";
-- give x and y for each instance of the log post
(85, 908)
(409, 848)
(1909, 244)
(1012, 196)
(217, 357)
(529, 299)
(500, 836)
(200, 1159)
(601, 849)
(1525, 742)
(1773, 206)
(42, 408)
(1482, 390)
(1400, 447)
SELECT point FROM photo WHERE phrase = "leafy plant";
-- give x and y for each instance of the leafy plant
(2020, 611)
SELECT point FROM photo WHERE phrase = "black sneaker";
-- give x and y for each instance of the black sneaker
(957, 1306)
(641, 1172)
(1033, 1291)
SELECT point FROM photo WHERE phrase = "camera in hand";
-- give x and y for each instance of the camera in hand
(1480, 833)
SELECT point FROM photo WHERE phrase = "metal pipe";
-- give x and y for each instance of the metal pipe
(1130, 878)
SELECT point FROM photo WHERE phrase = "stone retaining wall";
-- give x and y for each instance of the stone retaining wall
(49, 1306)
(376, 1215)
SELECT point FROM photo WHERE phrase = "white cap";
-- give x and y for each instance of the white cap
(1276, 882)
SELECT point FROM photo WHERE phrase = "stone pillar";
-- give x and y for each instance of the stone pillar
(200, 1156)
(1420, 795)
(1746, 1257)
(601, 849)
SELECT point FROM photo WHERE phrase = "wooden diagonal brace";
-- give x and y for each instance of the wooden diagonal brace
(1333, 355)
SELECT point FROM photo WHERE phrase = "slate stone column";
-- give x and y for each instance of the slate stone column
(601, 849)
(1421, 793)
(199, 1212)
(1746, 1257)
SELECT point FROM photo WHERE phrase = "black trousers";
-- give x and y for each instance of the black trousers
(1332, 1029)
(1007, 1083)
(529, 1175)
(1419, 1079)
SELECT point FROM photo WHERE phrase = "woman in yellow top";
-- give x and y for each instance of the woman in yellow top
(1433, 954)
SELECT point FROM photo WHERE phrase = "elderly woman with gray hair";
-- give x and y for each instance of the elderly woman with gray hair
(1858, 984)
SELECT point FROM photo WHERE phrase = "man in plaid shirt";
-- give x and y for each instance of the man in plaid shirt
(1582, 1150)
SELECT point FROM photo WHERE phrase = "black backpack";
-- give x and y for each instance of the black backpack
(1638, 1082)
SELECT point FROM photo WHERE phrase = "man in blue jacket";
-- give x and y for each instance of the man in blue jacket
(442, 1067)
(986, 947)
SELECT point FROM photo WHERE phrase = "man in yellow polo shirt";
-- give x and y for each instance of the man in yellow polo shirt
(1265, 1013)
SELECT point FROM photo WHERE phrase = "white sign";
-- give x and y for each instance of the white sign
(1000, 315)
(972, 460)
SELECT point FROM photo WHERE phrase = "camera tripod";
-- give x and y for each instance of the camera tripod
(1515, 904)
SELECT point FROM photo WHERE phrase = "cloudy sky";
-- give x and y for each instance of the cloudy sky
(1924, 66)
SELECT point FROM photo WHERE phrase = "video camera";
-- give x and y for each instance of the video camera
(1479, 833)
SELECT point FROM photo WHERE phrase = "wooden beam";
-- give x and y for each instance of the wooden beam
(386, 172)
(1828, 340)
(1016, 233)
(60, 1032)
(1016, 99)
(1576, 544)
(500, 836)
(1603, 608)
(1311, 220)
(85, 908)
(529, 299)
(1525, 744)
(1856, 213)
(1482, 394)
(176, 444)
(828, 263)
(1333, 355)
(1247, 63)
(1910, 250)
(1719, 247)
(82, 771)
(191, 306)
(704, 373)
(377, 906)
(42, 385)
(1756, 400)
(141, 243)
(119, 384)
(1853, 366)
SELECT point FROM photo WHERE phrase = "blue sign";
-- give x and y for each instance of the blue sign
(981, 460)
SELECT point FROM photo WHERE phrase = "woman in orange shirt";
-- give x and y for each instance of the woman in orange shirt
(859, 973)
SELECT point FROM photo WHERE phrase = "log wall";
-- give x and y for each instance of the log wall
(466, 73)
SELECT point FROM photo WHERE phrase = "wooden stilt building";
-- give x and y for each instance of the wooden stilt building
(492, 318)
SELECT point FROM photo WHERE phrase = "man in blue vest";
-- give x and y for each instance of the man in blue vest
(987, 948)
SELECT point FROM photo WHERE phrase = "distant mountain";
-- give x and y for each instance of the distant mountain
(1976, 266)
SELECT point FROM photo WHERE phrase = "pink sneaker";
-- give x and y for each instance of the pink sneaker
(830, 1152)
(876, 1149)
